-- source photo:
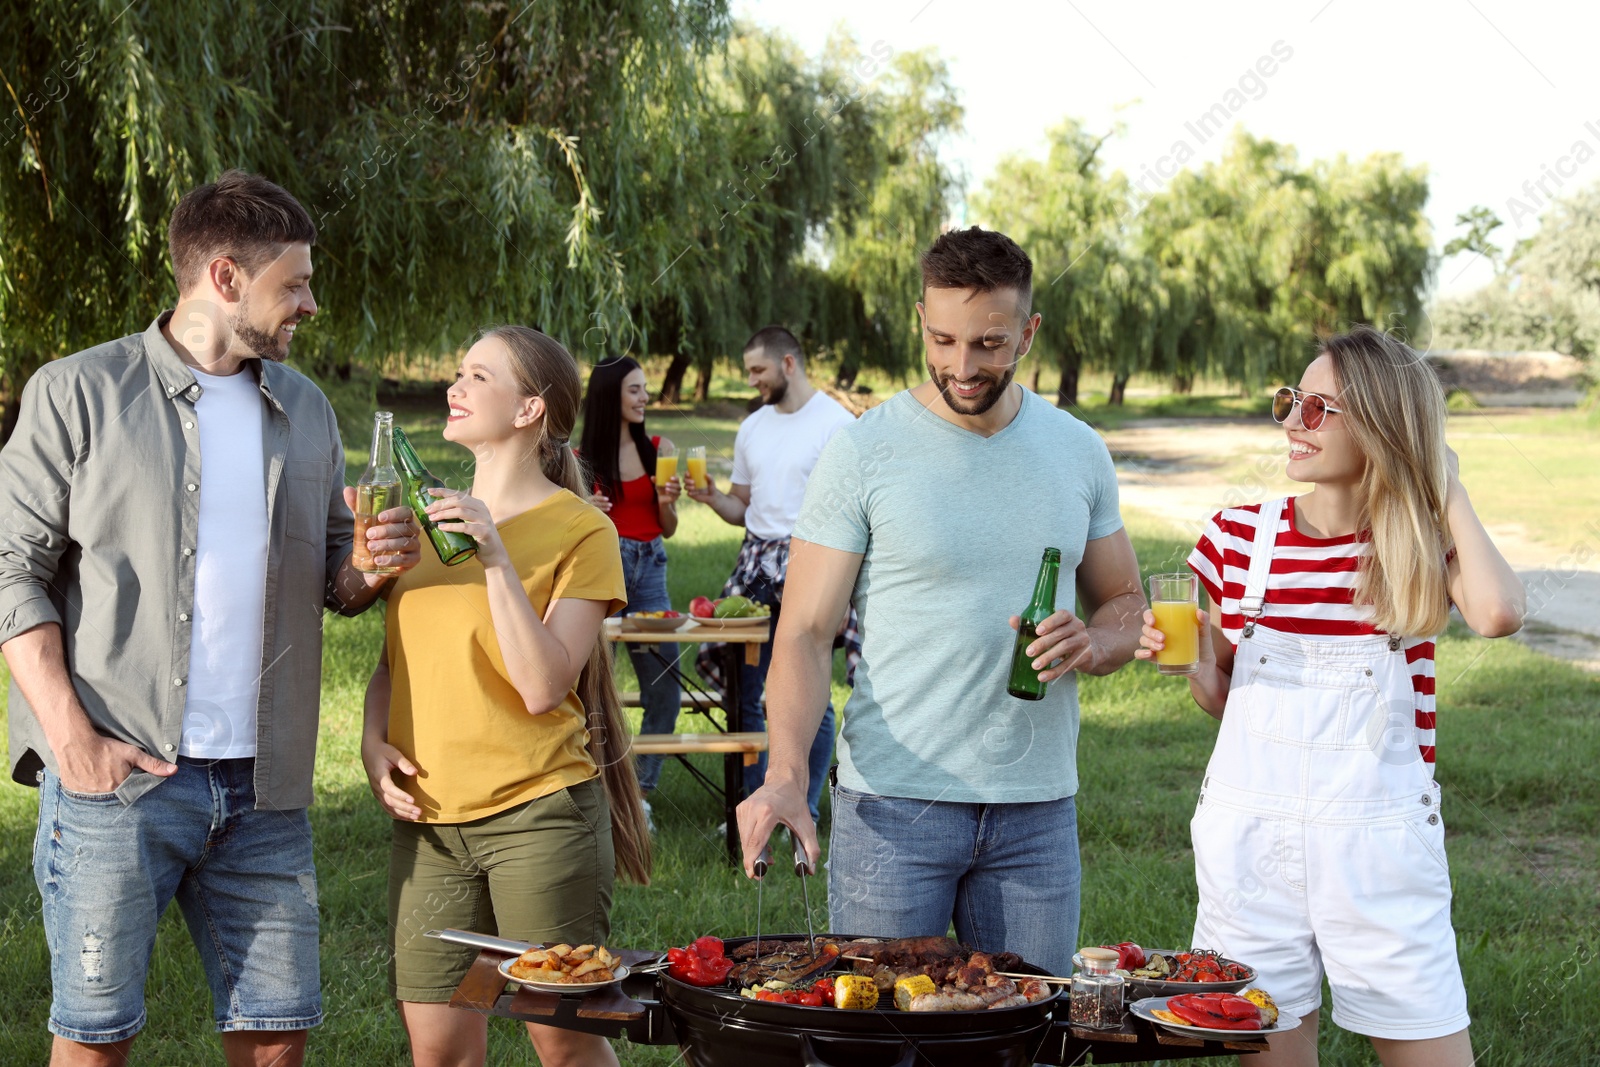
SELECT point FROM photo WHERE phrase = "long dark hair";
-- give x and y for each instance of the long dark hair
(543, 367)
(602, 426)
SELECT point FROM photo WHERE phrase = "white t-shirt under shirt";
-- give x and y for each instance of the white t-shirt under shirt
(774, 453)
(219, 717)
(1310, 592)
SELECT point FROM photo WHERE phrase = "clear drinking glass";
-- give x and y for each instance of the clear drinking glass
(666, 463)
(1174, 599)
(695, 461)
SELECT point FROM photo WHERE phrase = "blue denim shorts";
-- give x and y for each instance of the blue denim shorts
(243, 879)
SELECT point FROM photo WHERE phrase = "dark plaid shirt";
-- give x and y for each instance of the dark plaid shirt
(769, 560)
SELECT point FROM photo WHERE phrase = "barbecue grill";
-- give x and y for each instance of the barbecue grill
(717, 1027)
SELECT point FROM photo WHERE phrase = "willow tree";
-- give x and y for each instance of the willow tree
(757, 176)
(1262, 255)
(835, 187)
(465, 163)
(1098, 295)
(1545, 296)
(894, 193)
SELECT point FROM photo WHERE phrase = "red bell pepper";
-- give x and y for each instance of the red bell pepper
(1215, 1011)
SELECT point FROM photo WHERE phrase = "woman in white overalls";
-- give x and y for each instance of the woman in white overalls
(1318, 839)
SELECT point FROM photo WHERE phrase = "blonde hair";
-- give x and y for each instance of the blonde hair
(543, 367)
(1394, 408)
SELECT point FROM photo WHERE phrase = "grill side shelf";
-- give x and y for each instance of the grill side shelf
(609, 1012)
(1135, 1041)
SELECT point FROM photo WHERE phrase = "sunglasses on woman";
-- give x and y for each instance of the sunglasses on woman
(1314, 407)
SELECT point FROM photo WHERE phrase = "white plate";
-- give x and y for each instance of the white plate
(1142, 1008)
(561, 987)
(730, 624)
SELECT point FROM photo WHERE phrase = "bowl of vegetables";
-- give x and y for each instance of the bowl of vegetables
(1168, 972)
(654, 621)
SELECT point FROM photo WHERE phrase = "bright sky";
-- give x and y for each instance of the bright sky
(1494, 96)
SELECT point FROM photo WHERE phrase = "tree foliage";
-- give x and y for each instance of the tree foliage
(634, 175)
(1234, 269)
(1547, 295)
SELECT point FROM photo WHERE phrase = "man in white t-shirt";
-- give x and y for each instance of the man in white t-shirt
(772, 458)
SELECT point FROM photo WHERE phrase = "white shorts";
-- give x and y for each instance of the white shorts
(1369, 903)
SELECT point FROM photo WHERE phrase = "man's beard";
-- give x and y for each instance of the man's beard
(779, 391)
(978, 404)
(260, 342)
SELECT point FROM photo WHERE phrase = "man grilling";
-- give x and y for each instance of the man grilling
(953, 800)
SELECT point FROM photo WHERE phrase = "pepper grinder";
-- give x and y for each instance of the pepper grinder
(1097, 990)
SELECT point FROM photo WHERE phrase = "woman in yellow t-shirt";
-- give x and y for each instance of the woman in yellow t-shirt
(494, 735)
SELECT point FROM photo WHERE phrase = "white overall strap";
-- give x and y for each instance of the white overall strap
(1255, 584)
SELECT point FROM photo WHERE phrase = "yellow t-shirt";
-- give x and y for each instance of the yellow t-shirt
(452, 709)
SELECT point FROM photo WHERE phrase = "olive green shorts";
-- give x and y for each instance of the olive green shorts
(538, 872)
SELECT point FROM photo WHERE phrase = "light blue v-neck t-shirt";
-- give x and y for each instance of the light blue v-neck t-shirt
(952, 526)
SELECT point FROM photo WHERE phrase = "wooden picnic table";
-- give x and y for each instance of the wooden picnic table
(738, 747)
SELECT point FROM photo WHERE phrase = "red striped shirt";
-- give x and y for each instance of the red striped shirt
(1310, 592)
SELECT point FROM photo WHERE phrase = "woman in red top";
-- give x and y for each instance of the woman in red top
(621, 458)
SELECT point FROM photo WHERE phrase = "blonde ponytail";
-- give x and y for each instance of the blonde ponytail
(546, 369)
(1395, 411)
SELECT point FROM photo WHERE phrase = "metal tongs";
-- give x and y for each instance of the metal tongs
(802, 867)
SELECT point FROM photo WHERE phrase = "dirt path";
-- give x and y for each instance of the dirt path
(1183, 472)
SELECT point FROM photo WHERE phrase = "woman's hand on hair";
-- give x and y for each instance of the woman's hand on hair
(1452, 463)
(455, 512)
(602, 502)
(668, 494)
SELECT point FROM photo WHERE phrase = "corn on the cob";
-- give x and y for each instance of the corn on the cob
(1263, 1001)
(855, 991)
(911, 986)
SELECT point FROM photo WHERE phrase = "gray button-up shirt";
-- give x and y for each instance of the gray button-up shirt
(98, 489)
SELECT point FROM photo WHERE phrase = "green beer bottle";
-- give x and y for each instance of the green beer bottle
(1024, 683)
(452, 547)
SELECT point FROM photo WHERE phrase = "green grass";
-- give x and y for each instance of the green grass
(1539, 468)
(1518, 743)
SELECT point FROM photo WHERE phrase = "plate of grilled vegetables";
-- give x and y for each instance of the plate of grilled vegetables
(1224, 1015)
(1166, 973)
(565, 968)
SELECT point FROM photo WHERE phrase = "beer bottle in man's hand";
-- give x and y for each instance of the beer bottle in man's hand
(376, 492)
(1024, 683)
(453, 547)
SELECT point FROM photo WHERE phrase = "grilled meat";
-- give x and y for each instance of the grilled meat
(788, 961)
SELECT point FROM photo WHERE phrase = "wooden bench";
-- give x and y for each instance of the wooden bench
(698, 701)
(750, 745)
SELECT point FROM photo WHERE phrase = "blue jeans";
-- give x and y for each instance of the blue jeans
(243, 879)
(1006, 874)
(644, 569)
(753, 683)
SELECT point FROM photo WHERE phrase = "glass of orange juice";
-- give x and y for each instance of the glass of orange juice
(695, 459)
(1174, 600)
(666, 463)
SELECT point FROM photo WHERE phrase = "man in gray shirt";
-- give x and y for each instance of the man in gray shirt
(162, 621)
